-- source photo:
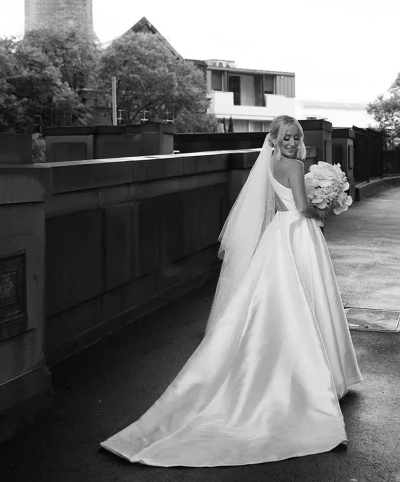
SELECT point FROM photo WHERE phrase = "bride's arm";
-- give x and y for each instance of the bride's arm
(296, 180)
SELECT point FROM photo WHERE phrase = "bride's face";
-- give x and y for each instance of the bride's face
(290, 141)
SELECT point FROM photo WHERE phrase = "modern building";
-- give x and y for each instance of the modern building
(252, 98)
(59, 15)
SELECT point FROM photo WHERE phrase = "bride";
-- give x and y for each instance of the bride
(265, 382)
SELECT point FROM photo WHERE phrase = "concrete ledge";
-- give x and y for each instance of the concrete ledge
(365, 189)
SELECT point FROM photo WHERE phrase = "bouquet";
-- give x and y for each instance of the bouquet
(327, 186)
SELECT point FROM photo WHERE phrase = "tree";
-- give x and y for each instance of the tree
(75, 57)
(386, 111)
(152, 80)
(32, 85)
(188, 122)
(11, 110)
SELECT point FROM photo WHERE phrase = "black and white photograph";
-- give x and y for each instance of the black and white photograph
(199, 241)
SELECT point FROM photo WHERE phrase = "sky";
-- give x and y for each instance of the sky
(341, 50)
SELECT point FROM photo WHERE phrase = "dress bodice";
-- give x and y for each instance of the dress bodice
(285, 194)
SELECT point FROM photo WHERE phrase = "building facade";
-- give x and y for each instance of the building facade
(252, 98)
(59, 15)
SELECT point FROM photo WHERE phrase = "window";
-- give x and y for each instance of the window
(216, 80)
(269, 82)
(234, 86)
(259, 97)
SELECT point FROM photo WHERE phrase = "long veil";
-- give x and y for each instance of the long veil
(249, 217)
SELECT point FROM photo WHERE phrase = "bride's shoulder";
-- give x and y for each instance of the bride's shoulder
(292, 163)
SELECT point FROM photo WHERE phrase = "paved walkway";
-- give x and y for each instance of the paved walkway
(106, 387)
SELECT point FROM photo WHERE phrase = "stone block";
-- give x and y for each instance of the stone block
(120, 255)
(172, 228)
(205, 163)
(24, 184)
(20, 220)
(181, 270)
(150, 168)
(244, 159)
(70, 323)
(147, 235)
(129, 295)
(19, 355)
(211, 215)
(69, 151)
(72, 202)
(60, 148)
(74, 260)
(237, 181)
(15, 148)
(78, 176)
(108, 146)
(157, 138)
(191, 223)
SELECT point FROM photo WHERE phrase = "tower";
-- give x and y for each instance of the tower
(59, 15)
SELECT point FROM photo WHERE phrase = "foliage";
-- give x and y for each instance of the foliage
(38, 148)
(196, 122)
(152, 80)
(386, 111)
(33, 85)
(75, 57)
(11, 111)
(47, 77)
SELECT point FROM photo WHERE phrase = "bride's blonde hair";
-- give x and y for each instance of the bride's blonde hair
(277, 132)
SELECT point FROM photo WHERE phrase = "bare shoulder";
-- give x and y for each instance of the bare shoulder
(296, 162)
(295, 166)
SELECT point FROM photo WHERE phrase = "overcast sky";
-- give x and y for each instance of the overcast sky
(339, 50)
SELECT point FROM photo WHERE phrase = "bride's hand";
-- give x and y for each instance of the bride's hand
(329, 210)
(321, 217)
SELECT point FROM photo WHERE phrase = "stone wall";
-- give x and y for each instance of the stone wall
(25, 384)
(125, 236)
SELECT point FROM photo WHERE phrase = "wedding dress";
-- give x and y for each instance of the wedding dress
(264, 383)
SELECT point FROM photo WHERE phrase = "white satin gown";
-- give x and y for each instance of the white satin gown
(265, 381)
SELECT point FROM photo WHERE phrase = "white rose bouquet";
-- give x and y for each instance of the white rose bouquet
(327, 186)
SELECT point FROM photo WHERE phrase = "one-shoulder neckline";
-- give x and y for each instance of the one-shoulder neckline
(281, 183)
